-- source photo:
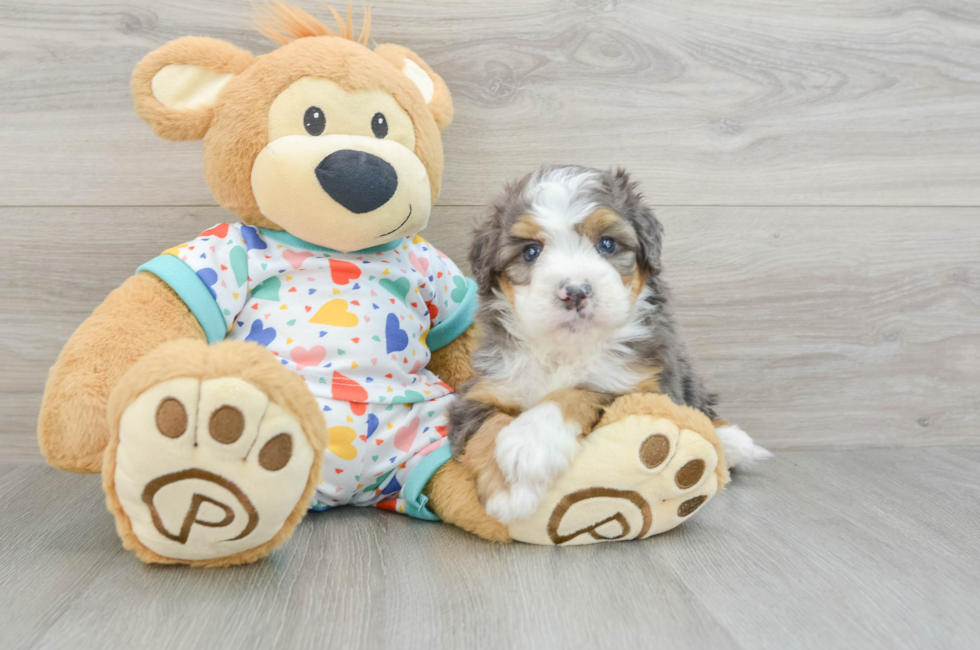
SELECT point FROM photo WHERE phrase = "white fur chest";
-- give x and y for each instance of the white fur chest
(526, 379)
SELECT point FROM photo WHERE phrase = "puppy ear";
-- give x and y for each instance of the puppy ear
(630, 203)
(434, 90)
(176, 86)
(485, 250)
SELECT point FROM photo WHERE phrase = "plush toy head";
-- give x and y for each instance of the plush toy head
(324, 138)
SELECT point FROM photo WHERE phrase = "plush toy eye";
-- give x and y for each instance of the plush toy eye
(531, 252)
(314, 120)
(606, 245)
(379, 125)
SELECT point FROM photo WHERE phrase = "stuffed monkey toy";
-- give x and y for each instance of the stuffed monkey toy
(304, 357)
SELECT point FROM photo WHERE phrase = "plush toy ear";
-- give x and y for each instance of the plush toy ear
(176, 86)
(434, 90)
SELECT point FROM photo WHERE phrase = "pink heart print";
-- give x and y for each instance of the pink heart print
(420, 264)
(405, 436)
(305, 358)
(296, 259)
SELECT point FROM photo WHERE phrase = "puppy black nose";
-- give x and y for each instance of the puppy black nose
(574, 295)
(357, 180)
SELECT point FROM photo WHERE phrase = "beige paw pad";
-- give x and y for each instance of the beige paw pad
(206, 469)
(632, 479)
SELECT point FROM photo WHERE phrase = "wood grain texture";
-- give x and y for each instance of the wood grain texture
(816, 549)
(819, 327)
(718, 102)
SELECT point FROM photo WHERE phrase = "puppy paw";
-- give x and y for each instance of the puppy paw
(518, 502)
(536, 446)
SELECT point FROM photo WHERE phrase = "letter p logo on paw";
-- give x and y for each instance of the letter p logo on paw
(207, 469)
(193, 515)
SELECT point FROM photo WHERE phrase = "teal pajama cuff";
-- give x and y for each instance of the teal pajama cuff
(458, 322)
(192, 290)
(415, 501)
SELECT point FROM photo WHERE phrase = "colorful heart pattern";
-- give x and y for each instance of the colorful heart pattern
(296, 258)
(354, 327)
(340, 442)
(342, 272)
(405, 436)
(268, 290)
(396, 339)
(262, 335)
(398, 288)
(304, 358)
(335, 313)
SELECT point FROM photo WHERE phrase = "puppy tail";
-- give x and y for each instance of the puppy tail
(740, 450)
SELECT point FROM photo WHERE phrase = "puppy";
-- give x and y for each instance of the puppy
(574, 312)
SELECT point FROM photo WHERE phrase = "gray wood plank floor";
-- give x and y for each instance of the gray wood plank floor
(815, 549)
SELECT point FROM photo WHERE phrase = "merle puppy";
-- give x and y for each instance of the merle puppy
(574, 312)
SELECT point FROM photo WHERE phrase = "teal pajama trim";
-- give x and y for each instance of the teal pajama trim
(415, 501)
(458, 322)
(284, 237)
(192, 290)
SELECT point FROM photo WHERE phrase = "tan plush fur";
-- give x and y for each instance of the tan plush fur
(441, 105)
(209, 53)
(133, 320)
(194, 358)
(284, 23)
(452, 362)
(452, 496)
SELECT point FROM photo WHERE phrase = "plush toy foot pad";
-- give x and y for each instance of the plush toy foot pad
(634, 478)
(208, 469)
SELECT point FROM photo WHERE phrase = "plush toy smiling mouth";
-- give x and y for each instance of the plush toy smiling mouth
(401, 224)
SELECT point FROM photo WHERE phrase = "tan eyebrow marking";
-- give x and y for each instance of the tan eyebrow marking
(527, 228)
(599, 222)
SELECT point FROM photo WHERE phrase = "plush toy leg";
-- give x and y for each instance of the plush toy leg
(214, 453)
(646, 468)
(71, 426)
(452, 496)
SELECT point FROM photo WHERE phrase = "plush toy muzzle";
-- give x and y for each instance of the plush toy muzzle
(357, 180)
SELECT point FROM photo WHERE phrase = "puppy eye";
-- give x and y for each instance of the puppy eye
(314, 120)
(531, 252)
(606, 245)
(379, 125)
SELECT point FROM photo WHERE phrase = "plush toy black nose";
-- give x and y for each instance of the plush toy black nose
(357, 180)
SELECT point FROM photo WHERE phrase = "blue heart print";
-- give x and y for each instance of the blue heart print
(392, 487)
(396, 337)
(372, 422)
(208, 277)
(261, 335)
(252, 239)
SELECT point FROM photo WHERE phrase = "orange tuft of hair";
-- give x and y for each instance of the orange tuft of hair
(284, 23)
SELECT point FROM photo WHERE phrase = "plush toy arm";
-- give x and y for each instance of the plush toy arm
(133, 320)
(451, 363)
